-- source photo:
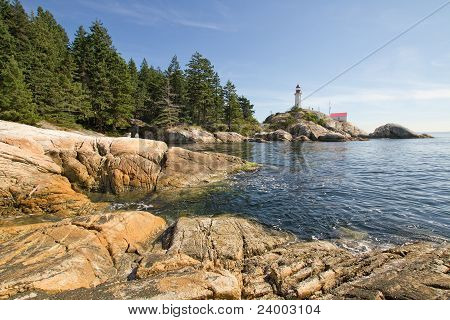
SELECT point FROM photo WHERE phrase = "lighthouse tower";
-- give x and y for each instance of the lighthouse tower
(298, 97)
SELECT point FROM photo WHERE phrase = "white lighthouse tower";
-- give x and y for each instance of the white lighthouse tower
(298, 97)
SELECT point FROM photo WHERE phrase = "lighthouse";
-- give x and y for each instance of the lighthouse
(298, 97)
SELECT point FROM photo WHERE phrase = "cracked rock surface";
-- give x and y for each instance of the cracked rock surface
(228, 257)
(79, 253)
(41, 171)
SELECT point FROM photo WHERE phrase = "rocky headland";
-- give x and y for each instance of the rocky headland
(308, 125)
(92, 254)
(295, 125)
(46, 171)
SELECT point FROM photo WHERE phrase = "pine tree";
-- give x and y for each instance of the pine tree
(107, 81)
(56, 95)
(157, 90)
(177, 82)
(19, 27)
(200, 89)
(246, 107)
(6, 44)
(150, 90)
(233, 112)
(168, 110)
(142, 94)
(218, 109)
(90, 83)
(122, 107)
(16, 103)
(79, 50)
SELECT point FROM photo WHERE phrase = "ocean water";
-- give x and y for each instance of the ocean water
(378, 191)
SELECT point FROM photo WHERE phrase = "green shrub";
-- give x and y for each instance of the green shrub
(313, 117)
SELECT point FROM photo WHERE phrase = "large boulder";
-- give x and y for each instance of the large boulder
(31, 182)
(184, 135)
(332, 137)
(308, 129)
(184, 168)
(229, 137)
(79, 253)
(395, 131)
(277, 135)
(280, 135)
(92, 163)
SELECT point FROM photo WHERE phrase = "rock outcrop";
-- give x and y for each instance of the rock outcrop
(395, 131)
(229, 137)
(184, 168)
(225, 257)
(332, 137)
(185, 135)
(315, 126)
(43, 170)
(31, 182)
(344, 128)
(308, 129)
(79, 253)
(277, 135)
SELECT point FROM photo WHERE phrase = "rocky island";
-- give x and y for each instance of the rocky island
(295, 125)
(91, 253)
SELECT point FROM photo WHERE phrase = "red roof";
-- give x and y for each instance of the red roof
(340, 114)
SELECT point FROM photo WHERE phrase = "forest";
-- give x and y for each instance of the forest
(86, 82)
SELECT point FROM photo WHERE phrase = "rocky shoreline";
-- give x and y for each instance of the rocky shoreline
(46, 171)
(297, 125)
(90, 254)
(134, 255)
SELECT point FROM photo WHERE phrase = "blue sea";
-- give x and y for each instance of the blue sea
(371, 192)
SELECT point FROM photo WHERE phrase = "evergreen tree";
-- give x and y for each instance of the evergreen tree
(233, 112)
(177, 82)
(90, 83)
(50, 77)
(156, 90)
(168, 110)
(218, 110)
(6, 44)
(19, 27)
(150, 90)
(246, 107)
(107, 81)
(142, 95)
(16, 103)
(79, 50)
(200, 89)
(134, 76)
(122, 106)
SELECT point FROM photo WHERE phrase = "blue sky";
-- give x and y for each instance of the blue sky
(267, 47)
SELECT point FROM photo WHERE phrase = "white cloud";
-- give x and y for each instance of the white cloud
(150, 14)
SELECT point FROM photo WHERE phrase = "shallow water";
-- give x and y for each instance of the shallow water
(378, 191)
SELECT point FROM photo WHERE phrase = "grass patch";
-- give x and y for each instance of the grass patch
(249, 166)
(313, 117)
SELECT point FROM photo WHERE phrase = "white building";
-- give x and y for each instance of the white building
(298, 97)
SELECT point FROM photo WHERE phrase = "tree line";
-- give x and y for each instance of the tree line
(44, 76)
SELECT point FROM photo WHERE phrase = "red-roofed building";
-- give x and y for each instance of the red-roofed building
(339, 116)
